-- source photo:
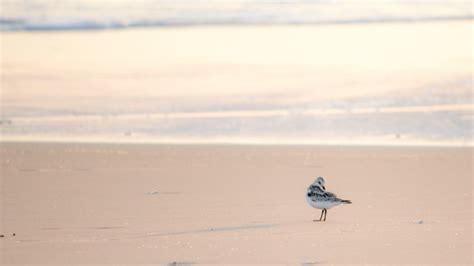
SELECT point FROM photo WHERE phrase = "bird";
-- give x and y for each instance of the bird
(317, 197)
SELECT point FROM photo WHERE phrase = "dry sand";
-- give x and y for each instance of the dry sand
(106, 203)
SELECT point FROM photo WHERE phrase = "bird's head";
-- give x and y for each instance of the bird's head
(320, 183)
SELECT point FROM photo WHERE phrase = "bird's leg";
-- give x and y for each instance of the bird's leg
(325, 213)
(320, 218)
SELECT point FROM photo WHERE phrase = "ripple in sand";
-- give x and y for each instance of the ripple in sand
(176, 263)
(209, 230)
(162, 193)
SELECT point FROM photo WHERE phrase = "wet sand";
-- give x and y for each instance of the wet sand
(384, 83)
(133, 204)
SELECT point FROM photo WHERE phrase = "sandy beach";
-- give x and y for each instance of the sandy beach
(382, 109)
(135, 204)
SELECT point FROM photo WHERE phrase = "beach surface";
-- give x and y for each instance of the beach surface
(214, 204)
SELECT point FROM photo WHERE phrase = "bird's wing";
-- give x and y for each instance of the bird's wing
(316, 192)
(331, 197)
(328, 194)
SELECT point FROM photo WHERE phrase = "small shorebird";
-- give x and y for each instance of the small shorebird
(319, 198)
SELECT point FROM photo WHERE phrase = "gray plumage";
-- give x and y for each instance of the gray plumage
(318, 194)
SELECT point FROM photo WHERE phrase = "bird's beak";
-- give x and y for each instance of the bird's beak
(324, 188)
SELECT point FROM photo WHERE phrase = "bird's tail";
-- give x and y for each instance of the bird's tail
(346, 201)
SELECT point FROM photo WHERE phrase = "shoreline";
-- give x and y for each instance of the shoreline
(231, 85)
(254, 25)
(74, 141)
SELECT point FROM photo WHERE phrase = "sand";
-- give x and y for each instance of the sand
(78, 203)
(131, 204)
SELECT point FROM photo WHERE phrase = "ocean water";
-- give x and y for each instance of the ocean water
(241, 82)
(102, 14)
